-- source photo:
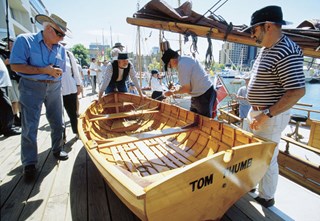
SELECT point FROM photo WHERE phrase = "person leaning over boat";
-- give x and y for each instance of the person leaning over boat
(156, 86)
(276, 84)
(193, 79)
(40, 61)
(116, 74)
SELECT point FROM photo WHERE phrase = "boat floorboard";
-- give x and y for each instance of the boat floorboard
(74, 189)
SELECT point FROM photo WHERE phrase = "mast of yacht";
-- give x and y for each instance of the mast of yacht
(111, 43)
(180, 40)
(139, 48)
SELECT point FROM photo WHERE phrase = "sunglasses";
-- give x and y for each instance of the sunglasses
(254, 29)
(58, 33)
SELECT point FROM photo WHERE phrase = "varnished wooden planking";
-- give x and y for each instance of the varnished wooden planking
(183, 156)
(145, 167)
(151, 157)
(166, 151)
(77, 206)
(156, 149)
(314, 139)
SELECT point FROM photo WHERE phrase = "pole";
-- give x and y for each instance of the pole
(180, 40)
(111, 36)
(7, 22)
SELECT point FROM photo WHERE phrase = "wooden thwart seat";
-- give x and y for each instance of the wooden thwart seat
(118, 104)
(144, 136)
(124, 114)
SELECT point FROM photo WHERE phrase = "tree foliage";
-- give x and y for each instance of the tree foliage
(81, 53)
(154, 64)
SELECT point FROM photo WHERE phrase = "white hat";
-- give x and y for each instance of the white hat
(114, 53)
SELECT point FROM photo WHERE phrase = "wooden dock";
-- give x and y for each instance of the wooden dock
(74, 189)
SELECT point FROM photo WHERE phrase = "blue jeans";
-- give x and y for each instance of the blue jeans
(121, 86)
(33, 95)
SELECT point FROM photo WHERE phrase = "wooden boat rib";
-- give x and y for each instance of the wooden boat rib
(171, 164)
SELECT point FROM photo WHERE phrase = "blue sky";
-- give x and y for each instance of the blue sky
(90, 21)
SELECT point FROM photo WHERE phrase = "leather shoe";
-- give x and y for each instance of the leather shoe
(29, 172)
(264, 202)
(11, 132)
(61, 155)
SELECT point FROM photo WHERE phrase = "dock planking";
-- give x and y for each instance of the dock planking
(74, 189)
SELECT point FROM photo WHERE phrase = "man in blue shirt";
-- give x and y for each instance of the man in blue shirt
(40, 61)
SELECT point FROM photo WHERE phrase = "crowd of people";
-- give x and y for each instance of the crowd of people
(36, 70)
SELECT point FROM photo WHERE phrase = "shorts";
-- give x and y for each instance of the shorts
(13, 91)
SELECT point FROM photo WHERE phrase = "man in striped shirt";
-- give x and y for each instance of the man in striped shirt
(277, 83)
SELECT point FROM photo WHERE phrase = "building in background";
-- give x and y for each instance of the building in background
(99, 51)
(237, 56)
(21, 15)
(155, 50)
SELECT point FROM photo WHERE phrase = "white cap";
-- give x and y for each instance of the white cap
(114, 53)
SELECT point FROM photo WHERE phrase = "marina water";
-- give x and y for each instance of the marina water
(312, 95)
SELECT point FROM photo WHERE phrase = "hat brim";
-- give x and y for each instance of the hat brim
(248, 29)
(117, 47)
(44, 18)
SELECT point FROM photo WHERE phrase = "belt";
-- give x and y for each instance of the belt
(43, 81)
(259, 108)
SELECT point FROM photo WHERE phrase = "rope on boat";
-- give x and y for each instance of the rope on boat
(208, 62)
(138, 120)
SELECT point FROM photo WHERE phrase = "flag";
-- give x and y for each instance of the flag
(222, 92)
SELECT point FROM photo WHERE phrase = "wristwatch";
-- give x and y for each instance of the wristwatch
(267, 112)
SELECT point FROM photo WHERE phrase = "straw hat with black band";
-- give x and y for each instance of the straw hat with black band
(59, 23)
(118, 45)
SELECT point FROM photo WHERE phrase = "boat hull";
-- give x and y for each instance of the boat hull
(173, 164)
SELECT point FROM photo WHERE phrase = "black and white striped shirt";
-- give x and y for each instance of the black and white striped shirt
(276, 70)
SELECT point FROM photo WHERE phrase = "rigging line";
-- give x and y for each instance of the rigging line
(220, 5)
(209, 10)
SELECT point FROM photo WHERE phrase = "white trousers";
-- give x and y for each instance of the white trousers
(271, 130)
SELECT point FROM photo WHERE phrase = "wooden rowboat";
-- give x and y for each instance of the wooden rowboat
(167, 163)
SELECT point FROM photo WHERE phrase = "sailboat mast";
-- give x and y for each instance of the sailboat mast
(139, 48)
(111, 43)
(180, 40)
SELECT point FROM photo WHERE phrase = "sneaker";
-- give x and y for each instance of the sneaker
(29, 172)
(264, 202)
(11, 132)
(61, 155)
(17, 121)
